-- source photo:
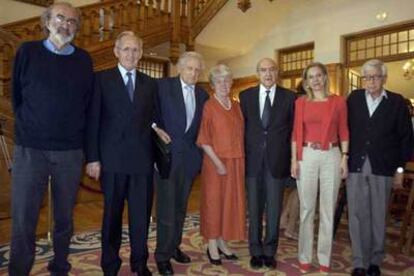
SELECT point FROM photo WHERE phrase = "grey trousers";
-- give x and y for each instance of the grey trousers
(368, 196)
(31, 168)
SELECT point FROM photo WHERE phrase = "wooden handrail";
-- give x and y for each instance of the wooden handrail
(153, 20)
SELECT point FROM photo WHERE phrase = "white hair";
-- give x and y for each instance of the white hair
(374, 63)
(182, 60)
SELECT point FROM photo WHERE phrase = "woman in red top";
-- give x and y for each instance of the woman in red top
(320, 127)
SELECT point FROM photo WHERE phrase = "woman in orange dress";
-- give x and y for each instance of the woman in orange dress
(222, 211)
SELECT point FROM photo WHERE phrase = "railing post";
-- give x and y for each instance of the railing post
(176, 30)
(190, 18)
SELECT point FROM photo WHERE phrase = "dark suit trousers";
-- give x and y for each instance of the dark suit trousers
(138, 191)
(172, 199)
(31, 168)
(264, 196)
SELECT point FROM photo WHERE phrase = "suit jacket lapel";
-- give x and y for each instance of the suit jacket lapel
(119, 82)
(256, 104)
(197, 111)
(381, 108)
(278, 102)
(179, 101)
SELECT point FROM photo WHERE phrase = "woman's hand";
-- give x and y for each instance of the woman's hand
(221, 168)
(294, 169)
(344, 166)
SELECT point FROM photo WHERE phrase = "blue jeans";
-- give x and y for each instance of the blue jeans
(30, 171)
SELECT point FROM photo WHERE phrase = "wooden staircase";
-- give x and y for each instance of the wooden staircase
(156, 21)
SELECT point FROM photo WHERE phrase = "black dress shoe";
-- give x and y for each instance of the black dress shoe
(359, 272)
(256, 262)
(269, 262)
(180, 257)
(374, 270)
(213, 261)
(165, 268)
(142, 270)
(231, 257)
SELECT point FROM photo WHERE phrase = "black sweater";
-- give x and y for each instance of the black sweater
(50, 97)
(386, 137)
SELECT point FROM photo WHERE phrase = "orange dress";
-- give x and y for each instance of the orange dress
(222, 210)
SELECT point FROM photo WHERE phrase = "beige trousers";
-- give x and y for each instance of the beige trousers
(319, 170)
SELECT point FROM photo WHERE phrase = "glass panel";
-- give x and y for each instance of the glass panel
(304, 63)
(353, 46)
(294, 66)
(411, 45)
(378, 52)
(386, 50)
(411, 34)
(403, 47)
(286, 83)
(403, 36)
(393, 49)
(352, 56)
(297, 81)
(361, 54)
(386, 39)
(393, 38)
(370, 53)
(361, 44)
(370, 42)
(378, 40)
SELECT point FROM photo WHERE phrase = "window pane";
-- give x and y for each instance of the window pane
(403, 36)
(370, 42)
(403, 47)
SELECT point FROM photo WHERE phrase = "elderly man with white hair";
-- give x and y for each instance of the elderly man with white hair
(381, 142)
(181, 106)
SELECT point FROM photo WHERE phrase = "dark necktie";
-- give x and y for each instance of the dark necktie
(266, 111)
(130, 86)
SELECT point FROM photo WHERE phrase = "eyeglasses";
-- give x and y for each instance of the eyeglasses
(62, 19)
(372, 78)
(265, 70)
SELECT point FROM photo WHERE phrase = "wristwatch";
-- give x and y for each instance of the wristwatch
(400, 170)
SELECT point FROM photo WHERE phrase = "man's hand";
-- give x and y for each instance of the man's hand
(162, 134)
(93, 169)
(397, 182)
(294, 169)
(344, 167)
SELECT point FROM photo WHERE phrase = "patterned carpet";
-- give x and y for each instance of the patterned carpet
(85, 256)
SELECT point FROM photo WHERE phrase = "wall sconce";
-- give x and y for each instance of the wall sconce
(408, 70)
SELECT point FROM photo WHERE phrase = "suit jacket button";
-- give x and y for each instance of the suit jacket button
(265, 132)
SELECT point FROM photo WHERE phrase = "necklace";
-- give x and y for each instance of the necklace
(225, 106)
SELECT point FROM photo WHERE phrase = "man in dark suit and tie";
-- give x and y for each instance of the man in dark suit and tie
(268, 112)
(119, 152)
(181, 106)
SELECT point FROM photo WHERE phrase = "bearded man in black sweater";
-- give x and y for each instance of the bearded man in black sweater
(52, 84)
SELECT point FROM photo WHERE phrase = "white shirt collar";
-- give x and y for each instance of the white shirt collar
(183, 84)
(383, 95)
(123, 72)
(264, 89)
